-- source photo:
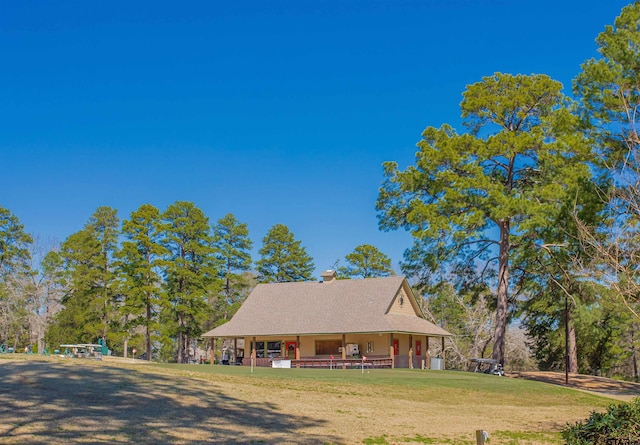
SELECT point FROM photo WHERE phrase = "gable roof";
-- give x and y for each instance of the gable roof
(335, 307)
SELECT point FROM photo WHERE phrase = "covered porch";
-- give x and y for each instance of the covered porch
(371, 350)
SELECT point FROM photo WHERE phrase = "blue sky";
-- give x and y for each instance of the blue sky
(275, 111)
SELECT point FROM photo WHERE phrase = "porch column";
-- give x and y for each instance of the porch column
(213, 350)
(344, 350)
(443, 360)
(235, 350)
(392, 351)
(253, 350)
(297, 347)
(428, 354)
(410, 351)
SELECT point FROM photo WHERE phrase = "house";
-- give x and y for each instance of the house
(372, 321)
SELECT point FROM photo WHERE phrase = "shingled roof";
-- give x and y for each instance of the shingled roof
(317, 308)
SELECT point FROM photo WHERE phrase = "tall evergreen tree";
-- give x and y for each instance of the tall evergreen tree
(104, 225)
(191, 272)
(79, 319)
(473, 197)
(14, 244)
(139, 265)
(232, 243)
(14, 264)
(90, 304)
(555, 287)
(609, 91)
(283, 258)
(366, 261)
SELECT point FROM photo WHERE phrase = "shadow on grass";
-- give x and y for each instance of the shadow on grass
(77, 401)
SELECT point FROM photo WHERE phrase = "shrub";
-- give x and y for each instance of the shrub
(620, 425)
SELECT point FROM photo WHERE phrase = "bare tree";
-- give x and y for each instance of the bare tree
(469, 318)
(42, 289)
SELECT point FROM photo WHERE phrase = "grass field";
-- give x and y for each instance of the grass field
(59, 400)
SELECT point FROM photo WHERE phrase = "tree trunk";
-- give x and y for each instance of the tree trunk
(227, 288)
(502, 303)
(180, 338)
(573, 350)
(635, 366)
(149, 313)
(105, 296)
(148, 330)
(634, 356)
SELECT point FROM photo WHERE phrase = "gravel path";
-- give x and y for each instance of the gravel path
(615, 389)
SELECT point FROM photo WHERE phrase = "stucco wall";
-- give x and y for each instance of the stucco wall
(379, 343)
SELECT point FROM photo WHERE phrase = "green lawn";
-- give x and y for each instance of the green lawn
(534, 412)
(57, 400)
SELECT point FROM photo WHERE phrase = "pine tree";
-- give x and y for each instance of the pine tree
(283, 258)
(609, 91)
(104, 226)
(14, 265)
(191, 272)
(90, 303)
(472, 199)
(366, 261)
(139, 262)
(232, 243)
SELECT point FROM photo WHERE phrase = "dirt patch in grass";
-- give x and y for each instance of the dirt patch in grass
(60, 401)
(616, 389)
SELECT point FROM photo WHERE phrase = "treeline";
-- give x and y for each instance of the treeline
(530, 217)
(155, 281)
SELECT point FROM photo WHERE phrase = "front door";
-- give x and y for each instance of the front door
(290, 351)
(396, 346)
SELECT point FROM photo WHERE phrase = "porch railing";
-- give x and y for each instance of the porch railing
(322, 362)
(339, 363)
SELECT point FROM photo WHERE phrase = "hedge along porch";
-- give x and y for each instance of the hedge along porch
(309, 322)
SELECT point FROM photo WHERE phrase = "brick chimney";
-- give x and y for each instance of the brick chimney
(328, 275)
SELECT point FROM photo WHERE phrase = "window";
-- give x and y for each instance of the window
(260, 349)
(328, 347)
(369, 347)
(274, 349)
